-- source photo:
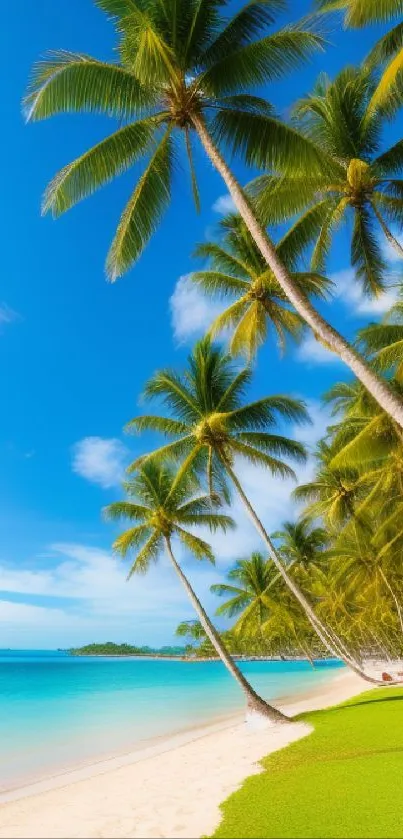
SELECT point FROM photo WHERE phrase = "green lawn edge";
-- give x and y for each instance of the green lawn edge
(345, 779)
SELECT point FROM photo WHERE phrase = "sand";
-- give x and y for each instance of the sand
(172, 789)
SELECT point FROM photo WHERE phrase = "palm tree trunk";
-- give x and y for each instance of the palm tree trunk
(387, 233)
(255, 702)
(376, 386)
(392, 593)
(304, 649)
(315, 622)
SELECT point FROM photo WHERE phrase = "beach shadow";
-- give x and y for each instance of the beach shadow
(370, 701)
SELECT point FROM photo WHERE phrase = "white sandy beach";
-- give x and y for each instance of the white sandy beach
(170, 790)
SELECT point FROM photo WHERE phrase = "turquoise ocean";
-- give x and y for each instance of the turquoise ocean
(58, 711)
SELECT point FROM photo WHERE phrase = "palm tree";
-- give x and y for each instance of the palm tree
(265, 609)
(212, 427)
(387, 52)
(248, 581)
(359, 183)
(332, 493)
(162, 506)
(185, 69)
(286, 626)
(237, 271)
(363, 560)
(384, 342)
(358, 494)
(194, 631)
(191, 629)
(302, 545)
(368, 443)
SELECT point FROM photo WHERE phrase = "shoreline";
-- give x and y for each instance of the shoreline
(172, 788)
(197, 659)
(82, 768)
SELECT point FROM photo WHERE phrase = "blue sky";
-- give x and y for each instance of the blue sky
(75, 352)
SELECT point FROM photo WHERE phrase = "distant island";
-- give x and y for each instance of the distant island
(110, 649)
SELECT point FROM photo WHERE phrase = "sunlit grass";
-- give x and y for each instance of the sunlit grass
(343, 780)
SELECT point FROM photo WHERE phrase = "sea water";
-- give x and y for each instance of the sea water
(59, 711)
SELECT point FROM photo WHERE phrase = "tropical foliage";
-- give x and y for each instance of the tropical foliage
(163, 505)
(329, 581)
(109, 648)
(178, 62)
(360, 181)
(387, 54)
(237, 272)
(186, 71)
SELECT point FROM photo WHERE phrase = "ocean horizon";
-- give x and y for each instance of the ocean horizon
(59, 711)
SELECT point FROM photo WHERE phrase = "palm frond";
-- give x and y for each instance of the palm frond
(366, 255)
(203, 22)
(149, 422)
(218, 284)
(117, 8)
(236, 390)
(389, 92)
(197, 547)
(243, 27)
(369, 445)
(98, 166)
(171, 451)
(331, 220)
(260, 414)
(229, 317)
(145, 49)
(244, 102)
(260, 61)
(193, 177)
(175, 393)
(250, 331)
(149, 553)
(66, 82)
(143, 211)
(221, 259)
(279, 198)
(214, 521)
(266, 142)
(131, 539)
(274, 444)
(260, 458)
(200, 504)
(391, 161)
(125, 510)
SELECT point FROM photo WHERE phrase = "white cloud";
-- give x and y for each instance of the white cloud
(100, 460)
(313, 352)
(191, 311)
(84, 573)
(377, 305)
(224, 205)
(389, 251)
(7, 315)
(349, 291)
(83, 591)
(86, 597)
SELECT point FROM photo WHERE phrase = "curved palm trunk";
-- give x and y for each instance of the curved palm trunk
(388, 233)
(304, 649)
(320, 629)
(255, 702)
(376, 386)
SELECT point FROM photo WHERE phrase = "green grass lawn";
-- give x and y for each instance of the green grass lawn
(343, 780)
